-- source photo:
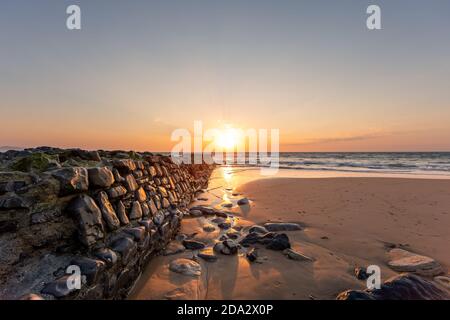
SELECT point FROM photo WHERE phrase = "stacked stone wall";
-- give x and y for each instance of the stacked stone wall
(106, 213)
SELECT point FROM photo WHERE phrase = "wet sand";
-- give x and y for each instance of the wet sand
(347, 222)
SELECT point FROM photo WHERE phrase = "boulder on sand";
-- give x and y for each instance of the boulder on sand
(405, 261)
(186, 267)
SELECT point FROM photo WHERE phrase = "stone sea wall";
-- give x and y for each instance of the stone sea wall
(104, 212)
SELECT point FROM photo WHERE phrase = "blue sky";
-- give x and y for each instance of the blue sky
(139, 69)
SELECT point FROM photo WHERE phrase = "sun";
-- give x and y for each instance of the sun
(227, 139)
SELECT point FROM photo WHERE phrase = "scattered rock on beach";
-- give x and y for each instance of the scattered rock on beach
(258, 229)
(193, 244)
(226, 247)
(173, 248)
(186, 267)
(195, 213)
(361, 273)
(224, 225)
(401, 287)
(207, 254)
(443, 281)
(281, 226)
(405, 261)
(209, 228)
(243, 202)
(294, 255)
(279, 242)
(252, 255)
(227, 205)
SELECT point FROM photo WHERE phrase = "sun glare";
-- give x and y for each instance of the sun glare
(227, 139)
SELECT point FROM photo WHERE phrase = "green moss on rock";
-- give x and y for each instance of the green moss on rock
(35, 162)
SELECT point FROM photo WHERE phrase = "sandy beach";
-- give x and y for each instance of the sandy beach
(347, 222)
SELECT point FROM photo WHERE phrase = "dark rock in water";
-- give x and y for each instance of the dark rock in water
(361, 274)
(173, 248)
(195, 213)
(282, 226)
(279, 242)
(233, 234)
(59, 288)
(231, 246)
(252, 255)
(258, 229)
(221, 214)
(90, 268)
(106, 255)
(108, 213)
(401, 287)
(243, 202)
(100, 177)
(207, 255)
(250, 239)
(72, 180)
(224, 225)
(89, 219)
(193, 245)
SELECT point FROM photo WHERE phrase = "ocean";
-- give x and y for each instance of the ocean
(429, 163)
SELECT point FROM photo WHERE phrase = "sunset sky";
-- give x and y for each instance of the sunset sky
(140, 69)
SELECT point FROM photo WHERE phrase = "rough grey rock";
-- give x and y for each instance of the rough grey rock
(108, 213)
(140, 195)
(126, 165)
(186, 267)
(116, 192)
(72, 180)
(106, 255)
(122, 213)
(89, 219)
(126, 247)
(282, 226)
(100, 177)
(11, 202)
(90, 268)
(401, 287)
(59, 288)
(130, 183)
(136, 211)
(138, 233)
